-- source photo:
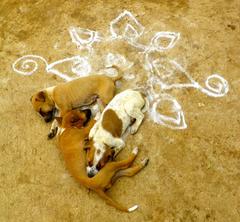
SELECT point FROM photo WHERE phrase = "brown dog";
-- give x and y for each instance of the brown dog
(57, 100)
(72, 146)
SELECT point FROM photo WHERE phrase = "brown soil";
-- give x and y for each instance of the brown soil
(193, 174)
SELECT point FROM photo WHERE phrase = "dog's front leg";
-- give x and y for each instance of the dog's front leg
(93, 130)
(117, 143)
(53, 130)
(101, 104)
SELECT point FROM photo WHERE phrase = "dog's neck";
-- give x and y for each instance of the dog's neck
(72, 147)
(50, 93)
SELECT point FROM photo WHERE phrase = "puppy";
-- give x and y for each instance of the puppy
(72, 146)
(118, 115)
(57, 100)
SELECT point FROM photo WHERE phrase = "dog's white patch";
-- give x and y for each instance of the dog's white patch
(131, 209)
(50, 89)
(145, 161)
(135, 151)
(98, 155)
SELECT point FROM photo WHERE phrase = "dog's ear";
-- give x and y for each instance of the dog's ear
(41, 96)
(59, 120)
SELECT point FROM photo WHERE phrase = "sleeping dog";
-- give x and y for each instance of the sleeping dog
(125, 110)
(72, 146)
(57, 100)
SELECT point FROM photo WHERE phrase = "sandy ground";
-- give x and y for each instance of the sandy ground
(193, 174)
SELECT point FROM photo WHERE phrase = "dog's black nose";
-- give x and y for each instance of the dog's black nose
(48, 117)
(47, 120)
(91, 174)
(91, 171)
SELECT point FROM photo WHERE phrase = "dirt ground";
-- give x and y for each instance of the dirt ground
(193, 174)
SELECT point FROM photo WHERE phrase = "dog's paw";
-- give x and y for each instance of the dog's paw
(145, 161)
(133, 129)
(52, 133)
(121, 144)
(135, 151)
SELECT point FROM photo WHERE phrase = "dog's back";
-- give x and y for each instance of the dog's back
(128, 99)
(84, 91)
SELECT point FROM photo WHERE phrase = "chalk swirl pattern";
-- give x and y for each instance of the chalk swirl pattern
(160, 72)
(27, 64)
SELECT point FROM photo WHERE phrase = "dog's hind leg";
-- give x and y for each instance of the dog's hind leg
(123, 164)
(129, 172)
(138, 116)
(115, 142)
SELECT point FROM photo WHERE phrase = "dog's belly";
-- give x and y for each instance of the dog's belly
(77, 102)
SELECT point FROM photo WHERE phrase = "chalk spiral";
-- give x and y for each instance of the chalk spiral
(27, 65)
(219, 89)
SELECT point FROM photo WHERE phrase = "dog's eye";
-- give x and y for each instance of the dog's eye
(74, 119)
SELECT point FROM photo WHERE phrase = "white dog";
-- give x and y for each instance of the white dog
(117, 116)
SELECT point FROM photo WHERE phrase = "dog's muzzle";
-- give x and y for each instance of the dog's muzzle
(48, 117)
(91, 171)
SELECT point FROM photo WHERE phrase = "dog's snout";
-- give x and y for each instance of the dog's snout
(47, 119)
(91, 171)
(47, 116)
(91, 174)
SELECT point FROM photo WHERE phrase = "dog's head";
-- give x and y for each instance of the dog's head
(97, 157)
(74, 118)
(43, 105)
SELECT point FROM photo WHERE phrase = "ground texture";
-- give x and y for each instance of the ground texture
(193, 174)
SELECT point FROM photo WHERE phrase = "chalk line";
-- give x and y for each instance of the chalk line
(77, 34)
(161, 72)
(221, 89)
(132, 30)
(177, 122)
(28, 65)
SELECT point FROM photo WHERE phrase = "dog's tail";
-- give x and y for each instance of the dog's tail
(114, 203)
(120, 73)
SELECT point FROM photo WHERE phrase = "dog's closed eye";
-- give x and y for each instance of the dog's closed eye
(74, 119)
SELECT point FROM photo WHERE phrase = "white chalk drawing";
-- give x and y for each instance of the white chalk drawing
(118, 60)
(27, 65)
(164, 74)
(157, 44)
(84, 38)
(126, 26)
(129, 76)
(174, 120)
